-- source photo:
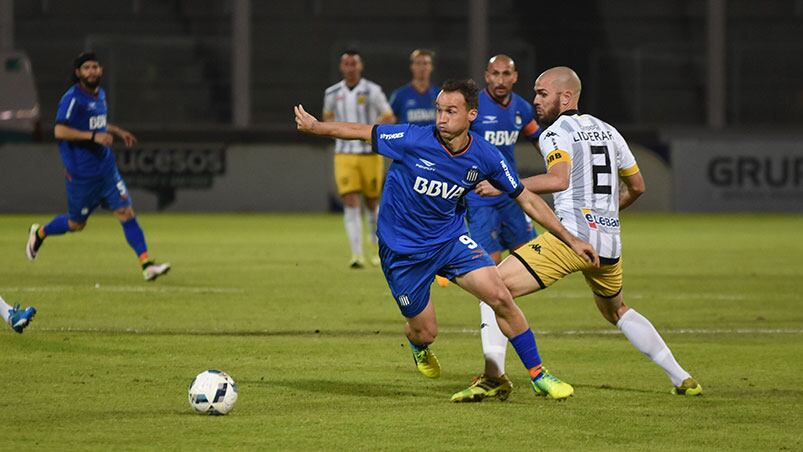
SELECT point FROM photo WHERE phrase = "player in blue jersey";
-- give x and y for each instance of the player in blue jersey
(498, 223)
(421, 224)
(414, 103)
(85, 138)
(16, 317)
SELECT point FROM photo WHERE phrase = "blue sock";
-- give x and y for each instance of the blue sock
(57, 226)
(415, 347)
(135, 236)
(524, 344)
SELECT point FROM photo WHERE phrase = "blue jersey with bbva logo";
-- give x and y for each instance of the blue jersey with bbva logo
(81, 110)
(413, 107)
(421, 203)
(501, 126)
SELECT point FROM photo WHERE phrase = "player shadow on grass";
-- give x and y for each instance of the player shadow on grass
(607, 387)
(360, 388)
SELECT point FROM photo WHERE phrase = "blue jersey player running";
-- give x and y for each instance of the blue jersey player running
(497, 222)
(414, 103)
(85, 138)
(421, 224)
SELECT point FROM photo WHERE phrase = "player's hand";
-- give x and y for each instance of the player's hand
(586, 251)
(106, 139)
(305, 122)
(485, 188)
(128, 138)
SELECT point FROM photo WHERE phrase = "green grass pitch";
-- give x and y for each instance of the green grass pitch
(322, 364)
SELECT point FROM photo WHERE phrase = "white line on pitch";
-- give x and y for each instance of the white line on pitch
(473, 332)
(613, 332)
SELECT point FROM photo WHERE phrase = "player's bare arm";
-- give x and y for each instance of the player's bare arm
(306, 123)
(538, 210)
(67, 133)
(128, 138)
(386, 118)
(554, 180)
(633, 188)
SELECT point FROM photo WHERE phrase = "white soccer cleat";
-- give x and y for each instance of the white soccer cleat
(34, 242)
(153, 270)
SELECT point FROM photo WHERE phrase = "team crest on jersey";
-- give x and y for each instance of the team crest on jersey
(361, 99)
(472, 175)
(518, 119)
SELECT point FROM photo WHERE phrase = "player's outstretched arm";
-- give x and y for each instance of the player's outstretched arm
(538, 210)
(128, 138)
(306, 123)
(634, 187)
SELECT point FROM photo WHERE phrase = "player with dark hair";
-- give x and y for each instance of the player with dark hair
(92, 179)
(358, 171)
(421, 225)
(496, 222)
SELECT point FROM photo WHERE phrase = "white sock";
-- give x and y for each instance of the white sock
(353, 222)
(371, 218)
(640, 332)
(494, 342)
(4, 308)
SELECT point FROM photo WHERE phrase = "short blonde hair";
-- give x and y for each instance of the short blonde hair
(421, 52)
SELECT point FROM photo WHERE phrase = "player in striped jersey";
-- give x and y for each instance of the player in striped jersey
(358, 171)
(585, 158)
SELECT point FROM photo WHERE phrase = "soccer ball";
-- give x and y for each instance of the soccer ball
(212, 392)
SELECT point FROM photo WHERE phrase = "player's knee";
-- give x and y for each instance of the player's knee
(499, 298)
(76, 226)
(124, 213)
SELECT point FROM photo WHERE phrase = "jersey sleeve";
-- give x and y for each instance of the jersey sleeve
(391, 140)
(396, 104)
(502, 177)
(66, 110)
(379, 102)
(329, 103)
(555, 147)
(530, 130)
(625, 160)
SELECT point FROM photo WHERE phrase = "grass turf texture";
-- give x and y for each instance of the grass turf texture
(318, 351)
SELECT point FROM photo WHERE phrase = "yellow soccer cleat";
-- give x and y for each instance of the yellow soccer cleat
(550, 386)
(689, 387)
(443, 282)
(483, 387)
(427, 363)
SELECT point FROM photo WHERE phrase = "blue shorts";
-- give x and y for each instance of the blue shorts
(85, 195)
(410, 275)
(499, 227)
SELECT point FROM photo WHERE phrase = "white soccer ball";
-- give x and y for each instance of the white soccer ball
(212, 392)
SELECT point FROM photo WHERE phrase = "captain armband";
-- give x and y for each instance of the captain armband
(624, 172)
(557, 156)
